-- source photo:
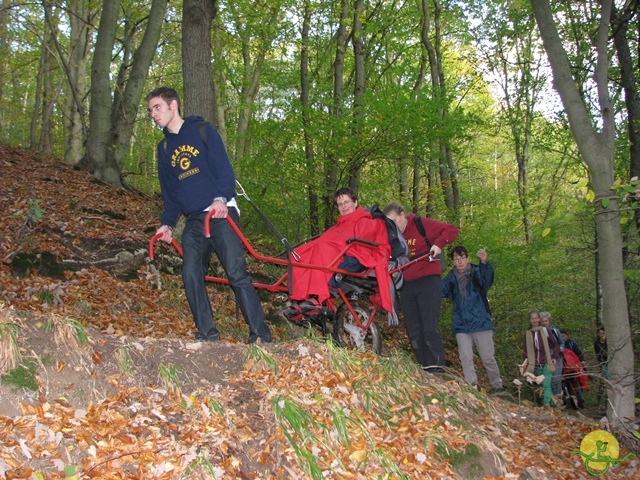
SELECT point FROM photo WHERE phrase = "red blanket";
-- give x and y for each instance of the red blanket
(326, 251)
(572, 369)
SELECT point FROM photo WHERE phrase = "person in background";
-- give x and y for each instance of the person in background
(556, 379)
(541, 352)
(571, 345)
(600, 348)
(467, 285)
(421, 295)
(196, 177)
(574, 378)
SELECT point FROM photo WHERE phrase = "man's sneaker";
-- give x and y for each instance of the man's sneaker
(434, 370)
(498, 391)
(202, 338)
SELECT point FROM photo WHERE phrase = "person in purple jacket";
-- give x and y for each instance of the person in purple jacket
(196, 177)
(420, 297)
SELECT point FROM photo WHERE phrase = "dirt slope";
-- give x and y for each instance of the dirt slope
(140, 399)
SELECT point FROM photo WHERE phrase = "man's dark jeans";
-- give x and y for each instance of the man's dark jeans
(421, 300)
(197, 250)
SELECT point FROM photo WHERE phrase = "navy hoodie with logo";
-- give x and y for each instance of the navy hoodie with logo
(191, 172)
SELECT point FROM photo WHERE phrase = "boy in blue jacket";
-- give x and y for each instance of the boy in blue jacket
(196, 177)
(467, 285)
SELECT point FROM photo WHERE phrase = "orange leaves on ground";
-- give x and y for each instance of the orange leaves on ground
(140, 432)
(107, 438)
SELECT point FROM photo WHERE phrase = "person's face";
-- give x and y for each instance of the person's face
(346, 205)
(601, 334)
(460, 262)
(162, 112)
(565, 337)
(534, 320)
(545, 322)
(399, 219)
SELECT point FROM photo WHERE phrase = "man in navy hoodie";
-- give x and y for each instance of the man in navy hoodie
(196, 177)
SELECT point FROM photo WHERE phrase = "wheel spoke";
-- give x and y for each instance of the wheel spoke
(347, 332)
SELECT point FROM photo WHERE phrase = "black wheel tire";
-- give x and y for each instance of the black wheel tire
(342, 336)
(570, 398)
(574, 403)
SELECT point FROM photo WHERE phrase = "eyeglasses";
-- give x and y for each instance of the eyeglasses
(459, 259)
(344, 204)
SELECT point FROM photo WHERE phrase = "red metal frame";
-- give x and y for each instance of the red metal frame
(280, 285)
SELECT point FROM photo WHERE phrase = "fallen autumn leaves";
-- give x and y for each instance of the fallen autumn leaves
(141, 400)
(299, 410)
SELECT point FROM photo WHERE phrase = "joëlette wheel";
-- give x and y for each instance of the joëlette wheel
(347, 333)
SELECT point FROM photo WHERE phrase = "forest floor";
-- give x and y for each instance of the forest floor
(110, 379)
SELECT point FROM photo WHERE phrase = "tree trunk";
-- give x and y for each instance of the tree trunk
(521, 146)
(49, 93)
(4, 53)
(128, 95)
(309, 153)
(197, 75)
(448, 181)
(415, 185)
(99, 139)
(448, 176)
(358, 90)
(37, 104)
(74, 117)
(130, 28)
(432, 185)
(629, 82)
(513, 62)
(250, 87)
(42, 79)
(431, 56)
(336, 110)
(219, 80)
(253, 70)
(111, 122)
(597, 149)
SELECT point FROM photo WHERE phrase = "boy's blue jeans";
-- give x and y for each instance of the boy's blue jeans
(197, 250)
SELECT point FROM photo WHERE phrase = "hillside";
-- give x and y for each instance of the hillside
(110, 380)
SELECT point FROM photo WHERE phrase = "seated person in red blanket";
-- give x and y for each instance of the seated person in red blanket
(574, 376)
(354, 222)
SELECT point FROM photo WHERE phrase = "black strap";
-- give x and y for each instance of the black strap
(289, 249)
(203, 136)
(422, 232)
(420, 226)
(482, 291)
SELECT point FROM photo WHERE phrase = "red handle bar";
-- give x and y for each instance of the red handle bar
(153, 241)
(252, 252)
(207, 233)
